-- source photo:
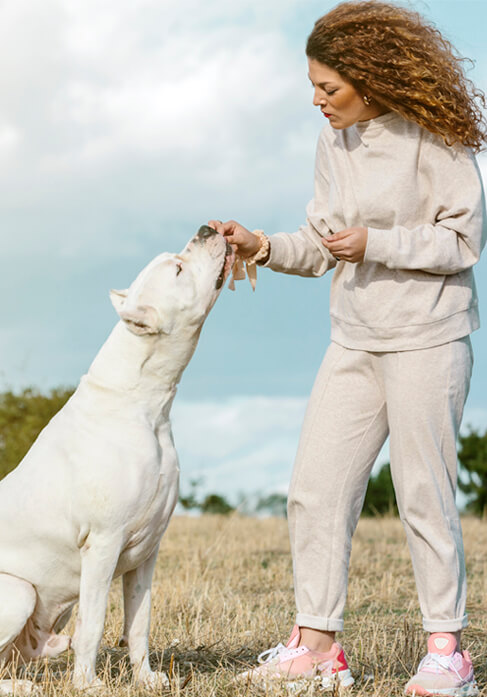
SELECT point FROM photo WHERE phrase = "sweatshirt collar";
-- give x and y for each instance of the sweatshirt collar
(369, 130)
(377, 123)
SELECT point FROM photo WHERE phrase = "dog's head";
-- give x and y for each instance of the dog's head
(176, 290)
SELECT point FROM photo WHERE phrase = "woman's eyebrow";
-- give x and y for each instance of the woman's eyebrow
(318, 83)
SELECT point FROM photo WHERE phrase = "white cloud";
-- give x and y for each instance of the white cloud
(242, 444)
(179, 99)
(10, 137)
(153, 110)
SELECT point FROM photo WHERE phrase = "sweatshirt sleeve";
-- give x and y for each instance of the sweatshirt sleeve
(302, 253)
(454, 238)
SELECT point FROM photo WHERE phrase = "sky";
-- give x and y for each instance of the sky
(124, 126)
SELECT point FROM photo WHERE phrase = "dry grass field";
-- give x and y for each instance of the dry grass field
(223, 593)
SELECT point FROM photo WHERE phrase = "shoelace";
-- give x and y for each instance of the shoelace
(436, 663)
(286, 654)
(271, 653)
(281, 651)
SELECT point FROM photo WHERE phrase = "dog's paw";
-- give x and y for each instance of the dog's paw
(53, 644)
(80, 682)
(154, 680)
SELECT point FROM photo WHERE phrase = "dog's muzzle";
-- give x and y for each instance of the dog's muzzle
(205, 232)
(227, 265)
(204, 235)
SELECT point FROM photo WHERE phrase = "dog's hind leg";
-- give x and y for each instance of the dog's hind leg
(17, 603)
(35, 642)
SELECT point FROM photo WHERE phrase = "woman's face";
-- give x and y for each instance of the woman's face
(337, 98)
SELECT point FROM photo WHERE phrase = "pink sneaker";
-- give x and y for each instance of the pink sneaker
(444, 670)
(297, 666)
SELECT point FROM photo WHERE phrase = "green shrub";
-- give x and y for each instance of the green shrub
(22, 418)
(380, 497)
(473, 458)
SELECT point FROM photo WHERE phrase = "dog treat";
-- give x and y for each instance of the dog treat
(249, 265)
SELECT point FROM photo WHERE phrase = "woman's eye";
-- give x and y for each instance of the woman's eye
(331, 92)
(179, 268)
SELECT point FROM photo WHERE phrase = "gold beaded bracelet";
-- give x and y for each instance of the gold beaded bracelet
(263, 250)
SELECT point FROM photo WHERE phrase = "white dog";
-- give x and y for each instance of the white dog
(93, 496)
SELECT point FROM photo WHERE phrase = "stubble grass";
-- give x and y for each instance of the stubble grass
(223, 592)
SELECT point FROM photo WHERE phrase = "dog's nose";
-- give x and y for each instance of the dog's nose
(205, 231)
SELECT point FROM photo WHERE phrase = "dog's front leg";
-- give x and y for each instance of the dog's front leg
(99, 558)
(137, 609)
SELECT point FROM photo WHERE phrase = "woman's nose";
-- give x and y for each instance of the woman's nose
(318, 97)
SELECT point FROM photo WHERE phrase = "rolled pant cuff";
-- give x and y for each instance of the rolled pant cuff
(325, 624)
(445, 625)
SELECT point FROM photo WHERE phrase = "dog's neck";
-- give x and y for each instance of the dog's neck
(143, 368)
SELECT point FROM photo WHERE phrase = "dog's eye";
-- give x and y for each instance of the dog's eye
(179, 268)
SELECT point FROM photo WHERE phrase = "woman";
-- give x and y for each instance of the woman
(398, 213)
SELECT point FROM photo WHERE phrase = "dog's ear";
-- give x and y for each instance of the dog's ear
(118, 299)
(143, 319)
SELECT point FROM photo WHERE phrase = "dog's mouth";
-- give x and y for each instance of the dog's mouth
(226, 266)
(133, 323)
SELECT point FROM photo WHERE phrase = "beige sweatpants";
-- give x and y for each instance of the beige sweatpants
(359, 397)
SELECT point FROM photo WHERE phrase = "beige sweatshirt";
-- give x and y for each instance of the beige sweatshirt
(424, 208)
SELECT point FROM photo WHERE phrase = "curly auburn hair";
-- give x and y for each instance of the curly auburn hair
(404, 62)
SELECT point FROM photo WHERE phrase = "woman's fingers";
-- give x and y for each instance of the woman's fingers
(334, 246)
(233, 231)
(216, 225)
(227, 229)
(242, 240)
(231, 240)
(348, 245)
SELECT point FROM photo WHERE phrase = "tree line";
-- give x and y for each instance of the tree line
(24, 414)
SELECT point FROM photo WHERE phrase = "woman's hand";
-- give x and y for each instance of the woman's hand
(348, 245)
(244, 242)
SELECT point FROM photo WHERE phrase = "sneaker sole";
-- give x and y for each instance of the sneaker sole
(343, 678)
(468, 690)
(323, 682)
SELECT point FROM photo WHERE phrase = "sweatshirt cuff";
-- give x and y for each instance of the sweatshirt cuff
(278, 255)
(377, 248)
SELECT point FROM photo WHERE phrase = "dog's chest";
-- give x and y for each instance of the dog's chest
(144, 533)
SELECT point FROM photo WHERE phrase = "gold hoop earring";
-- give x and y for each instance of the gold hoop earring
(367, 100)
